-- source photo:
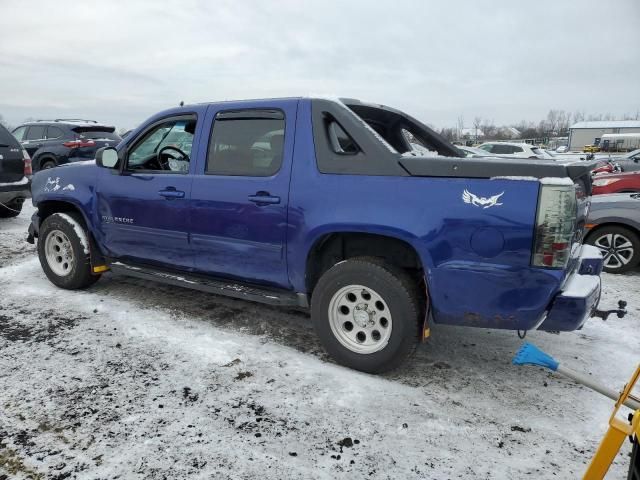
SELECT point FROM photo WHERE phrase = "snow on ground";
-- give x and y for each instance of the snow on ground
(137, 380)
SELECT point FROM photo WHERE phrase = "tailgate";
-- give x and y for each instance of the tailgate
(11, 159)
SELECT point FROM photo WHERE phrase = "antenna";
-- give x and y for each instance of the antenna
(182, 103)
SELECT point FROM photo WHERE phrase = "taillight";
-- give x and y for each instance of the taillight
(79, 143)
(28, 170)
(555, 225)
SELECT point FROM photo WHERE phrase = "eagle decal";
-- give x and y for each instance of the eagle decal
(484, 202)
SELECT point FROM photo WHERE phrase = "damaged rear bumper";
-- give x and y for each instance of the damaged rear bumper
(579, 297)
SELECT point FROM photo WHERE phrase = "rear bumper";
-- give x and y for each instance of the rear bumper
(15, 190)
(579, 297)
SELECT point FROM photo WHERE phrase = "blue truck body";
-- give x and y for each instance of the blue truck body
(477, 261)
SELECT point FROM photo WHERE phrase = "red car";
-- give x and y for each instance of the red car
(616, 183)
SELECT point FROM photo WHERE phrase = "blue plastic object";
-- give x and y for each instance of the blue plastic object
(529, 354)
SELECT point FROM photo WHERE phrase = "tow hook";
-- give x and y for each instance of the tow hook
(620, 312)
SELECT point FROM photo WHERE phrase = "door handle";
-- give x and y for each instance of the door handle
(170, 193)
(264, 198)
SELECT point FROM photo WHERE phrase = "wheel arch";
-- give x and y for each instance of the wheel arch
(332, 246)
(612, 223)
(47, 208)
(40, 158)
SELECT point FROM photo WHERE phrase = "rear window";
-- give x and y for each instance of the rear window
(536, 151)
(97, 133)
(6, 139)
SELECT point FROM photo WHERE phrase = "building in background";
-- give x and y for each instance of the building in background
(590, 133)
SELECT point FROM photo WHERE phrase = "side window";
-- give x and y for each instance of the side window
(340, 140)
(19, 133)
(517, 149)
(166, 148)
(502, 149)
(248, 143)
(488, 147)
(35, 132)
(53, 132)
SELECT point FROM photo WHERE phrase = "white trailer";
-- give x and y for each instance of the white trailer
(619, 142)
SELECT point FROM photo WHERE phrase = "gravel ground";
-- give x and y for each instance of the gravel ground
(137, 380)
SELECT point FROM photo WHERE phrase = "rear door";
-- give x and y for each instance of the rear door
(241, 191)
(34, 138)
(143, 212)
(11, 159)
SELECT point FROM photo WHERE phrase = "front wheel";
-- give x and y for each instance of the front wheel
(367, 314)
(63, 249)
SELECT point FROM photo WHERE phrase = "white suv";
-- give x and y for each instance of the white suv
(518, 150)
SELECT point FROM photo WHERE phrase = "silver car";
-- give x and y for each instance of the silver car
(614, 227)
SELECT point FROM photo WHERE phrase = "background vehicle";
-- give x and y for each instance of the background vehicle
(562, 149)
(629, 162)
(473, 151)
(616, 183)
(591, 149)
(55, 142)
(15, 173)
(373, 221)
(620, 142)
(614, 227)
(516, 150)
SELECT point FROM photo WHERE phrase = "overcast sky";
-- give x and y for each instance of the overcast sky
(121, 61)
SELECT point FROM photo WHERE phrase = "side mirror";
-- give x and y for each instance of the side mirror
(107, 157)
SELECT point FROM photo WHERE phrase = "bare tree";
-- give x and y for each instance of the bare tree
(578, 116)
(477, 121)
(459, 127)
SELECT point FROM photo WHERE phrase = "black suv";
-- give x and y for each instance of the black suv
(54, 142)
(15, 175)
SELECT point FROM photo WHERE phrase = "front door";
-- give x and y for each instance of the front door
(241, 190)
(143, 212)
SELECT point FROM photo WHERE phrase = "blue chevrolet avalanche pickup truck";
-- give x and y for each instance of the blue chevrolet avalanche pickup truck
(357, 211)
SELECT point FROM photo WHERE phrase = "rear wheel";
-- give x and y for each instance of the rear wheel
(47, 164)
(63, 249)
(11, 209)
(367, 314)
(620, 248)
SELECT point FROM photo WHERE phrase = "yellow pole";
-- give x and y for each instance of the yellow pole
(618, 431)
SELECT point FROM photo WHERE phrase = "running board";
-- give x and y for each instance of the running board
(227, 288)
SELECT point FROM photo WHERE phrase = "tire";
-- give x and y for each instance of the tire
(347, 329)
(620, 247)
(11, 209)
(63, 249)
(47, 164)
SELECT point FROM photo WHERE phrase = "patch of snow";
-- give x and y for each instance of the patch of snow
(556, 181)
(581, 285)
(78, 229)
(514, 177)
(590, 252)
(69, 187)
(23, 181)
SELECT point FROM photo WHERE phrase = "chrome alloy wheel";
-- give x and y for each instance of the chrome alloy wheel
(616, 249)
(59, 253)
(360, 319)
